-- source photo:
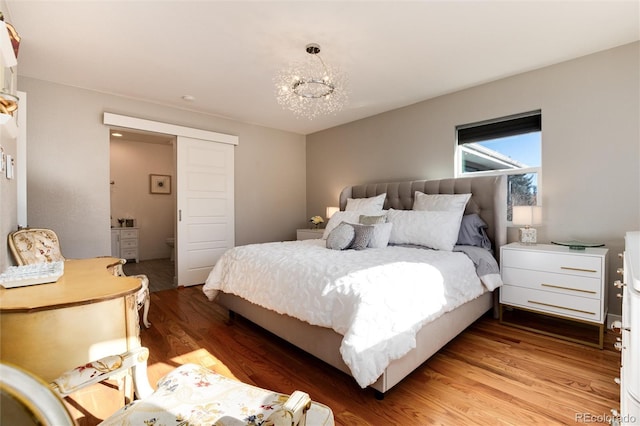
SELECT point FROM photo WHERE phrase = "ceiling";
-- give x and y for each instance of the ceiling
(226, 53)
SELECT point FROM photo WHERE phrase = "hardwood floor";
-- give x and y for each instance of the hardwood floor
(490, 374)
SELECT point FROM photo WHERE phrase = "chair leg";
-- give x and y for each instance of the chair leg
(145, 311)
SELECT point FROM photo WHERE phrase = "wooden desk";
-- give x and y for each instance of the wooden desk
(87, 314)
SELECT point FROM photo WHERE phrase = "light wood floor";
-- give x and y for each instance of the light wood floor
(491, 374)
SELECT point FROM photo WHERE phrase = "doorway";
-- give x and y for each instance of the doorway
(196, 251)
(143, 217)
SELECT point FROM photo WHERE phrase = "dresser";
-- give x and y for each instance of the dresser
(629, 328)
(124, 243)
(557, 283)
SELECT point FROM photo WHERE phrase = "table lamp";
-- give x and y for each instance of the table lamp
(527, 216)
(331, 211)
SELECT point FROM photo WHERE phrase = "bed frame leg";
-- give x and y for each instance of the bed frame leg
(379, 395)
(232, 315)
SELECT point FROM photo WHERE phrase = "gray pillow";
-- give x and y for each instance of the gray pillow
(362, 237)
(341, 237)
(472, 232)
(372, 220)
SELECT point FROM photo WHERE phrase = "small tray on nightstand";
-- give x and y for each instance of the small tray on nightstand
(577, 245)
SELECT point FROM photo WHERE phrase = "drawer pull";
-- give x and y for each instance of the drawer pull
(567, 288)
(568, 268)
(560, 307)
(618, 284)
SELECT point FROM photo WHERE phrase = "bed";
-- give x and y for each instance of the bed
(324, 317)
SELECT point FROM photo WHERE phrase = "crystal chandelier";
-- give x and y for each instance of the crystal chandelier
(311, 88)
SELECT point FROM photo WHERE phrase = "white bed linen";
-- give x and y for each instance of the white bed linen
(377, 299)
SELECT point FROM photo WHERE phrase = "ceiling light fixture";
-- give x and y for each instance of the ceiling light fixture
(311, 88)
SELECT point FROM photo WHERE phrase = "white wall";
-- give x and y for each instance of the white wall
(131, 164)
(68, 167)
(590, 145)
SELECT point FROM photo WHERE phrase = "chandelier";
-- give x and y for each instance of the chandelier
(311, 88)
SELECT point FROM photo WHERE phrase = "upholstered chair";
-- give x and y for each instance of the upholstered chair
(35, 245)
(190, 394)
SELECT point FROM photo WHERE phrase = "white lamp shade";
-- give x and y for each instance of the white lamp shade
(331, 211)
(527, 215)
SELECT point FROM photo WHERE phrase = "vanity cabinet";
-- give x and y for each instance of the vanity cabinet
(125, 243)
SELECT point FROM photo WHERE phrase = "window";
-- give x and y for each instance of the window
(508, 145)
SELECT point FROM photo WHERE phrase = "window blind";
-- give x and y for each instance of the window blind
(508, 126)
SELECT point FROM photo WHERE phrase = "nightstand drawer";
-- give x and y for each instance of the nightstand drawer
(546, 301)
(558, 283)
(571, 264)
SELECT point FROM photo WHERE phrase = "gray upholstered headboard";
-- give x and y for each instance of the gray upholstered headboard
(488, 199)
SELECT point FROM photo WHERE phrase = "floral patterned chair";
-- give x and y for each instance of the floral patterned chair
(35, 245)
(190, 394)
(40, 245)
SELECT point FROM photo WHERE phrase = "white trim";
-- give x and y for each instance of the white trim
(111, 119)
(21, 166)
(520, 171)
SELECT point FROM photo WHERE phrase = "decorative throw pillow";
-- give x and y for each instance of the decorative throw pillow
(434, 229)
(472, 232)
(372, 220)
(440, 202)
(362, 237)
(380, 236)
(368, 206)
(341, 237)
(337, 218)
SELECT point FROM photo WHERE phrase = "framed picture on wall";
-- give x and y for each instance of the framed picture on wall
(160, 184)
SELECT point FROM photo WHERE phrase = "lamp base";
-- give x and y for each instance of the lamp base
(528, 236)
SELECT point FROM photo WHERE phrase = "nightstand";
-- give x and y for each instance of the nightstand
(555, 291)
(309, 234)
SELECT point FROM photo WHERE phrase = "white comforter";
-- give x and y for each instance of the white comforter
(376, 298)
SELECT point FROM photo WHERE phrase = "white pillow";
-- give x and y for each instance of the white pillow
(381, 235)
(434, 229)
(367, 206)
(440, 202)
(337, 218)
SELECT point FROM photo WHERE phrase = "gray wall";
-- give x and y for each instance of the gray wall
(590, 145)
(68, 167)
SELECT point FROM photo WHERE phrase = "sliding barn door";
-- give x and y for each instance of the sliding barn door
(205, 217)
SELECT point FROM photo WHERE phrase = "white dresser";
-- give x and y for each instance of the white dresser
(629, 341)
(558, 282)
(124, 243)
